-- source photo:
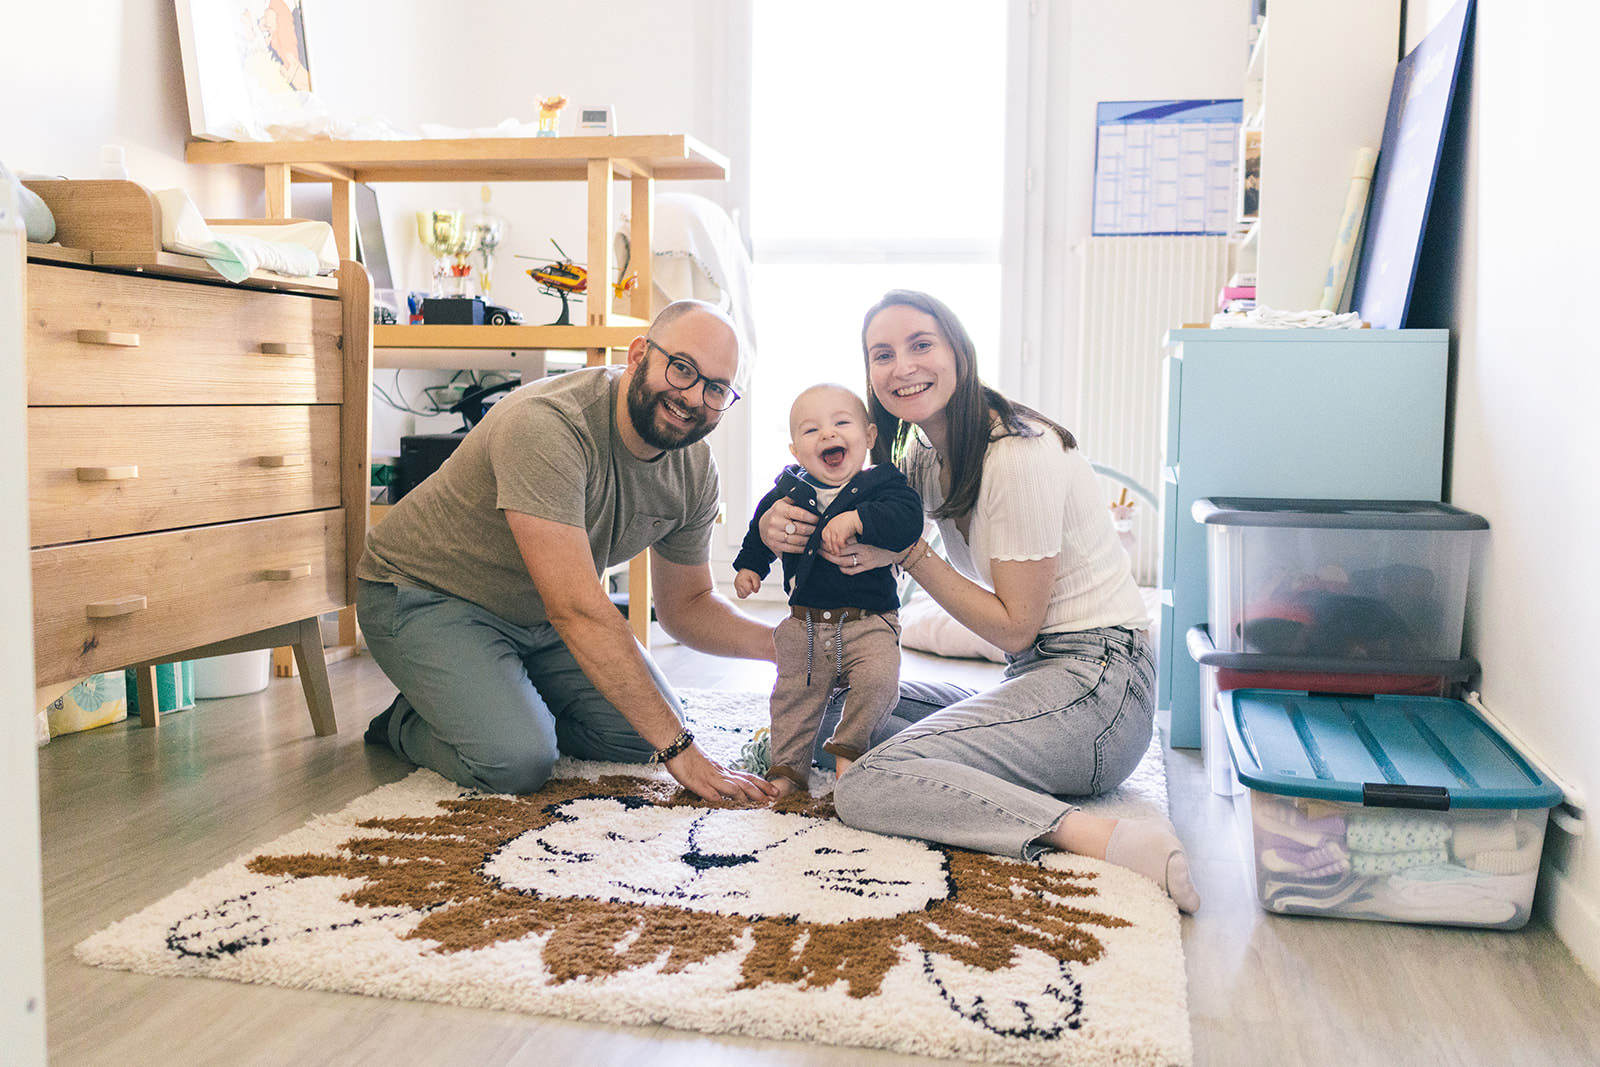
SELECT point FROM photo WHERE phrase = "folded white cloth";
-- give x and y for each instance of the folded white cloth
(1265, 318)
(236, 255)
(311, 234)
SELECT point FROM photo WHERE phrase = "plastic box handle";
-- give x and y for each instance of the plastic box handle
(1387, 795)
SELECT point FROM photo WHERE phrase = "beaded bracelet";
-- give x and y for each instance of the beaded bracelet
(677, 747)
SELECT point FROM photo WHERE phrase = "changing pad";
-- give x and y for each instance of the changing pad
(297, 248)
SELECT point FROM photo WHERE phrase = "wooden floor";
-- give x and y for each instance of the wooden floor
(131, 814)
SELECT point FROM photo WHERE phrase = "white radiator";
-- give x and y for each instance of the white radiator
(1133, 290)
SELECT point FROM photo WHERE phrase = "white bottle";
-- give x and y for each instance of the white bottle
(113, 163)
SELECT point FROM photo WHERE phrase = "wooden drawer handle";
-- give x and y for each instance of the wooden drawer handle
(288, 574)
(110, 609)
(284, 348)
(290, 459)
(108, 474)
(108, 337)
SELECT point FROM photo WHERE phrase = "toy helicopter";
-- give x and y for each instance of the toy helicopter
(565, 279)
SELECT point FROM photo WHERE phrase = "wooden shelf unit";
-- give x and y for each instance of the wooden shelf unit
(598, 161)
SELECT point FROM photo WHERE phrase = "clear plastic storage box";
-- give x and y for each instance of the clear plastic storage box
(1393, 808)
(1338, 579)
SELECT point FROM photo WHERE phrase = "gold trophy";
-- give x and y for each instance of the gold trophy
(440, 234)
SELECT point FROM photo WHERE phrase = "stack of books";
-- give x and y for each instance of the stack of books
(1239, 295)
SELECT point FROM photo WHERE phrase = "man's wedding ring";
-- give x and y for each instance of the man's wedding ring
(788, 527)
(855, 560)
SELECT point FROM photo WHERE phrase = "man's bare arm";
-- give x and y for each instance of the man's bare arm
(694, 613)
(561, 565)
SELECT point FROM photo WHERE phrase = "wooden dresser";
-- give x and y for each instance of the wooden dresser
(197, 465)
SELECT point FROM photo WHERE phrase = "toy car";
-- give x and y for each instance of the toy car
(499, 316)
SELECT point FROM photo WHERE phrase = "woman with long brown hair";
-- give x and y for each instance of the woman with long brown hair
(1032, 564)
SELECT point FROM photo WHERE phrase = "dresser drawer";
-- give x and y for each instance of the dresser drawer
(100, 338)
(106, 472)
(106, 604)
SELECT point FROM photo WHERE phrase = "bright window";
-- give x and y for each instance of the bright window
(877, 152)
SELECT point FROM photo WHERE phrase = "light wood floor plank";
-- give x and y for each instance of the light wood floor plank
(130, 814)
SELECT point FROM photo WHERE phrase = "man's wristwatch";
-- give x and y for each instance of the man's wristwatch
(679, 745)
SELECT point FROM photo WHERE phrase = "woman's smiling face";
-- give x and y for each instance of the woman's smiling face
(911, 365)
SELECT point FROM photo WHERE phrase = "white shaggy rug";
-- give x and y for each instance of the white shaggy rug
(612, 896)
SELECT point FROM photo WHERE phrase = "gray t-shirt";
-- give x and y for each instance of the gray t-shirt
(549, 449)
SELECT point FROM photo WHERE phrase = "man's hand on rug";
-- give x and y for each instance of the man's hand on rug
(710, 780)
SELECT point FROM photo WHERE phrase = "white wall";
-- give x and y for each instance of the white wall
(83, 73)
(1094, 52)
(1517, 296)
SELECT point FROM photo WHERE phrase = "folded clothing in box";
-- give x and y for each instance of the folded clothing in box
(1394, 808)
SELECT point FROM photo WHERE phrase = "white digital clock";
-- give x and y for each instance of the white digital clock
(598, 120)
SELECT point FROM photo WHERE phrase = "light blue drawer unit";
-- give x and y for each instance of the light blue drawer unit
(1351, 414)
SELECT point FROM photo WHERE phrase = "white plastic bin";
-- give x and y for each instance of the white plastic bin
(232, 675)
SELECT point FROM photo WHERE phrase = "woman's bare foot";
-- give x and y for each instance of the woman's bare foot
(840, 765)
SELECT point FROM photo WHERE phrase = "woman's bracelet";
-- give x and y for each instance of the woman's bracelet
(915, 555)
(677, 747)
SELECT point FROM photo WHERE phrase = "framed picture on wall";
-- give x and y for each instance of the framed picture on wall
(1249, 175)
(242, 62)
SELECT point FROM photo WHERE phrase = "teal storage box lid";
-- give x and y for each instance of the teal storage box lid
(1385, 751)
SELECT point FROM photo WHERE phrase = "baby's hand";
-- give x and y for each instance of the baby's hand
(745, 583)
(840, 531)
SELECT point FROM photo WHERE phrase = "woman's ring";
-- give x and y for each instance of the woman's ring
(855, 560)
(788, 527)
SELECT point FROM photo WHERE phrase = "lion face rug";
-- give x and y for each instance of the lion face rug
(611, 895)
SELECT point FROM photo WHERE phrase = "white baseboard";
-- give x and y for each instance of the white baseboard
(1575, 919)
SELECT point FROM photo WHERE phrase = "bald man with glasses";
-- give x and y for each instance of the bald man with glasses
(480, 595)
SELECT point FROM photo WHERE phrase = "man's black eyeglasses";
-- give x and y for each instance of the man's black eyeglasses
(681, 374)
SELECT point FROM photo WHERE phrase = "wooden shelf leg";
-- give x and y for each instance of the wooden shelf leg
(314, 676)
(639, 597)
(641, 228)
(277, 182)
(601, 276)
(342, 208)
(347, 626)
(145, 680)
(283, 663)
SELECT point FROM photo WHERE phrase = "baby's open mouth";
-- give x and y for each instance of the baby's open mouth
(833, 456)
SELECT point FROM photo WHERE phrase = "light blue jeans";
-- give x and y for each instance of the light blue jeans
(1072, 717)
(485, 702)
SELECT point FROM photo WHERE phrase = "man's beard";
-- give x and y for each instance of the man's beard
(642, 410)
